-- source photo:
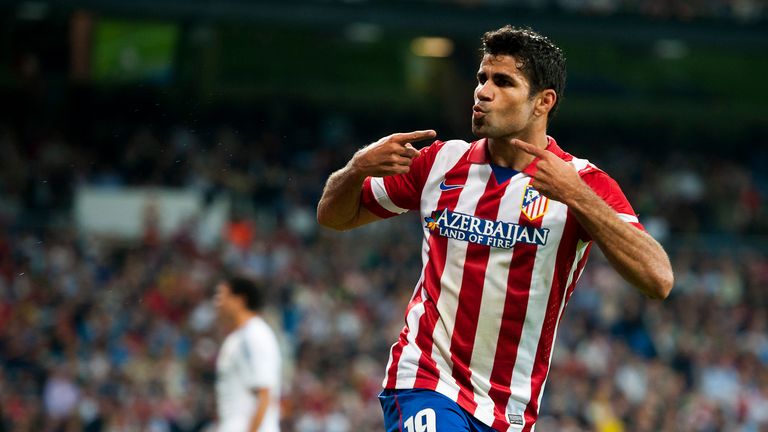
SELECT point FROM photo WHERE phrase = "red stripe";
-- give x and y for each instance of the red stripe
(470, 294)
(420, 172)
(408, 186)
(576, 276)
(405, 189)
(399, 413)
(566, 253)
(397, 349)
(427, 376)
(513, 318)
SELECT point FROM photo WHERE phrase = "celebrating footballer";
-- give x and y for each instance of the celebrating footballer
(508, 223)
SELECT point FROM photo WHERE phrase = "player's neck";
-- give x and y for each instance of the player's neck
(503, 153)
(241, 318)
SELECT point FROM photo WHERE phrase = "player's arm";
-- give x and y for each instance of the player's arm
(263, 396)
(339, 207)
(632, 252)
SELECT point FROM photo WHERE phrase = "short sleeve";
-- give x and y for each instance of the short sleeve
(607, 189)
(261, 368)
(393, 195)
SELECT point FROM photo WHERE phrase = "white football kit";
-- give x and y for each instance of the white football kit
(249, 359)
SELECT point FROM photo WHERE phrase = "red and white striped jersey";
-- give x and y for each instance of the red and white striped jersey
(499, 264)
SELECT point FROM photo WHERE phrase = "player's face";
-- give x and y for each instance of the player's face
(502, 107)
(223, 298)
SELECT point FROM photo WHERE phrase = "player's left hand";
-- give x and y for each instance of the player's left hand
(554, 178)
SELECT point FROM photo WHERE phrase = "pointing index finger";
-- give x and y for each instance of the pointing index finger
(403, 138)
(529, 148)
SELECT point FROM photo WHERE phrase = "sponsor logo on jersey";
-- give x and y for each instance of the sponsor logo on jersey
(485, 232)
(534, 204)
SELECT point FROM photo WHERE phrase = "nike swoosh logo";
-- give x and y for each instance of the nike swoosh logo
(445, 187)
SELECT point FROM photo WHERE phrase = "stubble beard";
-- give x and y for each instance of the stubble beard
(480, 128)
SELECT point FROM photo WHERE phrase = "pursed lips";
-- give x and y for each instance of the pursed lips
(478, 112)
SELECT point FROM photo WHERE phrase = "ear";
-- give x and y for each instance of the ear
(545, 102)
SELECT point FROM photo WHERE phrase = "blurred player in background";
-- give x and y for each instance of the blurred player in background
(508, 222)
(248, 365)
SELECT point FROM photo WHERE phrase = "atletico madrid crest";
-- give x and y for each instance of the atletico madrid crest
(534, 204)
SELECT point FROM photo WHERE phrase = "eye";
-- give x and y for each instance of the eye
(481, 78)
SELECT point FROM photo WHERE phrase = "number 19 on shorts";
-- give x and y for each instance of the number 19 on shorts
(422, 421)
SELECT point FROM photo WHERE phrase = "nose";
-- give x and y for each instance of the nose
(483, 92)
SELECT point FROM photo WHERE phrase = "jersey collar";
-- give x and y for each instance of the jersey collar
(478, 154)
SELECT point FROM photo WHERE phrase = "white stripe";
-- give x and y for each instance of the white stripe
(445, 159)
(380, 193)
(389, 363)
(492, 305)
(409, 358)
(537, 206)
(541, 283)
(450, 282)
(581, 164)
(628, 217)
(415, 314)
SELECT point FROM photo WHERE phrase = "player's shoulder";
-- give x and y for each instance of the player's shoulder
(458, 143)
(258, 324)
(438, 146)
(440, 153)
(258, 331)
(583, 166)
(597, 179)
(590, 173)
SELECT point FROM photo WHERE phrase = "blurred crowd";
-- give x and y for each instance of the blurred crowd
(107, 334)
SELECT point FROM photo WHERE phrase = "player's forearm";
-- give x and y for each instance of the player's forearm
(261, 411)
(256, 420)
(633, 253)
(339, 206)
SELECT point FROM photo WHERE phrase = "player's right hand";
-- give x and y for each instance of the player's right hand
(390, 155)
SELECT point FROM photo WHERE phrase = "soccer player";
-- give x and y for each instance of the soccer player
(248, 364)
(508, 222)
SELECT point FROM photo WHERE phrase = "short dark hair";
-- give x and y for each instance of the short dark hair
(248, 290)
(542, 62)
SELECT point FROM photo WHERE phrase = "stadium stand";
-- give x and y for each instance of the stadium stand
(104, 334)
